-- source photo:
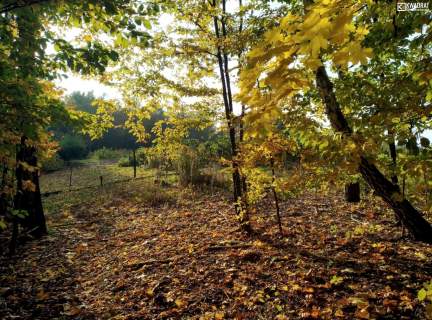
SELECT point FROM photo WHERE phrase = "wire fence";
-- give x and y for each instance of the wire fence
(80, 176)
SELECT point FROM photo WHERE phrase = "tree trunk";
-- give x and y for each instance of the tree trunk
(275, 197)
(222, 57)
(28, 197)
(352, 192)
(393, 155)
(411, 218)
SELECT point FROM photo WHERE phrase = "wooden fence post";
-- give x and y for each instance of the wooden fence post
(70, 176)
(134, 163)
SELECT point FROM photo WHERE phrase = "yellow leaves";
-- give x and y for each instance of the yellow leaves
(358, 54)
(273, 36)
(312, 20)
(87, 38)
(180, 303)
(287, 22)
(218, 315)
(316, 44)
(149, 292)
(288, 53)
(362, 31)
(353, 53)
(256, 52)
(259, 244)
(191, 248)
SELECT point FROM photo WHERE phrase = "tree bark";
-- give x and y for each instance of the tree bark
(352, 192)
(411, 218)
(27, 198)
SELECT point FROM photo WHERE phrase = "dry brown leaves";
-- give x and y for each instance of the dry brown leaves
(189, 260)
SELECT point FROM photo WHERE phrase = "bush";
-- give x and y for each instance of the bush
(72, 147)
(52, 164)
(188, 169)
(126, 162)
(215, 177)
(108, 154)
(141, 156)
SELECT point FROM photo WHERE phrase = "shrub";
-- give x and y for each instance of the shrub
(125, 162)
(52, 164)
(141, 156)
(72, 147)
(188, 169)
(215, 177)
(108, 154)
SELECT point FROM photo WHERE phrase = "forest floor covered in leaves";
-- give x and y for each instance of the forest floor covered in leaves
(143, 252)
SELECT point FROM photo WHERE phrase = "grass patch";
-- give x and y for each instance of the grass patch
(89, 175)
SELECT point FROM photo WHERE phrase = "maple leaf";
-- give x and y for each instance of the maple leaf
(316, 44)
(359, 54)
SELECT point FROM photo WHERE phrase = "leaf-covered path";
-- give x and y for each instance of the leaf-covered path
(187, 259)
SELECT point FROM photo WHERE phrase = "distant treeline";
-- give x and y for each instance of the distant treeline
(75, 145)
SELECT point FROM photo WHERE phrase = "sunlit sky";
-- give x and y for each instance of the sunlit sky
(76, 83)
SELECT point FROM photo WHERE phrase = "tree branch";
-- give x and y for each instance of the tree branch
(19, 4)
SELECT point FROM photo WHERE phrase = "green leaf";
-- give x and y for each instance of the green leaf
(146, 23)
(422, 294)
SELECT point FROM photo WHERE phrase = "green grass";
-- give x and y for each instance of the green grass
(86, 186)
(88, 175)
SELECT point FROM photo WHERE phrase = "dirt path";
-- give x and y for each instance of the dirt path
(188, 260)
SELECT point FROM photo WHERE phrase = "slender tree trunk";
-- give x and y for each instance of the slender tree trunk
(243, 111)
(222, 58)
(276, 200)
(411, 218)
(394, 178)
(28, 198)
(352, 192)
